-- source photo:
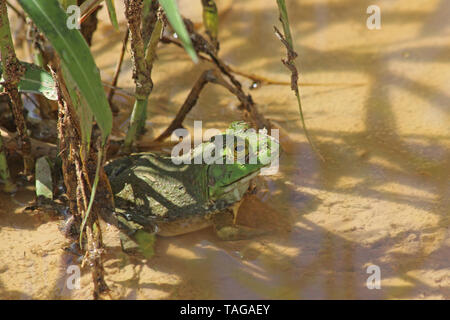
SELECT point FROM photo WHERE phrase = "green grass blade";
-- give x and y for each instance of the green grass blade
(35, 80)
(93, 191)
(75, 56)
(112, 13)
(138, 115)
(173, 15)
(285, 21)
(291, 65)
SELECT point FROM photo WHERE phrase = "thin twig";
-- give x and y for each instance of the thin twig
(209, 76)
(119, 90)
(266, 81)
(187, 106)
(290, 64)
(251, 112)
(261, 79)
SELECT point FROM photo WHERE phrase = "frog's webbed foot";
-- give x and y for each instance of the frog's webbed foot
(227, 229)
(141, 242)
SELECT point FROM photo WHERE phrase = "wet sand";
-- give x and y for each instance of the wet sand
(382, 197)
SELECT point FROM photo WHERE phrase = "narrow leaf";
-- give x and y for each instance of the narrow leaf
(75, 56)
(173, 15)
(35, 80)
(112, 13)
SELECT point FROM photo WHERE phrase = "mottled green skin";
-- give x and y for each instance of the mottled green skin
(153, 193)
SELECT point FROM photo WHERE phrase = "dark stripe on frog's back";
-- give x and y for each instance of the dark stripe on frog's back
(150, 188)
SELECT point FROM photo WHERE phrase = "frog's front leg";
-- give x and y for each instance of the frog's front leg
(227, 229)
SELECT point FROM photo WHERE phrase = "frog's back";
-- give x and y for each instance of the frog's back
(151, 190)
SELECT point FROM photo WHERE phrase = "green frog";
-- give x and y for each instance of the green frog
(174, 195)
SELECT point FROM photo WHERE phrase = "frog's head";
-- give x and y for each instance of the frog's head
(239, 155)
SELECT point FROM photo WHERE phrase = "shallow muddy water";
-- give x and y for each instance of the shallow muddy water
(379, 113)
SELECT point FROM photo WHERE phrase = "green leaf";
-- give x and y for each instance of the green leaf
(210, 19)
(75, 56)
(112, 13)
(173, 15)
(35, 80)
(93, 191)
(44, 184)
(285, 22)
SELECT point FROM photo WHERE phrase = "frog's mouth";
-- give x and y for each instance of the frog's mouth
(231, 186)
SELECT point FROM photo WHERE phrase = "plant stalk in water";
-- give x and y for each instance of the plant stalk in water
(13, 71)
(143, 57)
